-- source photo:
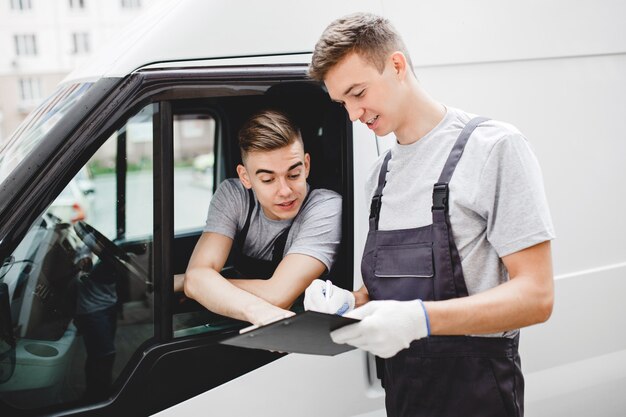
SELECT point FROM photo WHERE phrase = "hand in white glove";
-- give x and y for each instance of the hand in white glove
(339, 301)
(386, 327)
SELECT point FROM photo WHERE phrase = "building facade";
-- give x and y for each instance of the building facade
(41, 41)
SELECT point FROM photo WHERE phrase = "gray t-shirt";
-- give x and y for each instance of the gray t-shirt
(497, 199)
(316, 231)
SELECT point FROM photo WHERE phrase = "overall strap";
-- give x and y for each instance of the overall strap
(378, 194)
(440, 189)
(241, 236)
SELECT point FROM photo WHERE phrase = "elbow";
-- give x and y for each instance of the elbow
(280, 301)
(190, 284)
(278, 296)
(544, 306)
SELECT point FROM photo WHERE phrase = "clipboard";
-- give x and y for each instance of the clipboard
(307, 332)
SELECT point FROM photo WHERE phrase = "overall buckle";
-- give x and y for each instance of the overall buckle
(440, 196)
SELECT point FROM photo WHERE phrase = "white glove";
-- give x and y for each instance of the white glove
(338, 301)
(386, 327)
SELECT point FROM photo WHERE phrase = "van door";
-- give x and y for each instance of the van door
(98, 328)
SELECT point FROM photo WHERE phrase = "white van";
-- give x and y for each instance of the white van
(145, 115)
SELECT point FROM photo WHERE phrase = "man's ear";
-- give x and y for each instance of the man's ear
(243, 176)
(399, 62)
(307, 164)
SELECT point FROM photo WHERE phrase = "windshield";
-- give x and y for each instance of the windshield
(37, 125)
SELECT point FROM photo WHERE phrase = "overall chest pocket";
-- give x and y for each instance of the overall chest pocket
(404, 261)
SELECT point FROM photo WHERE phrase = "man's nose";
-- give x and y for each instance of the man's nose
(354, 112)
(283, 187)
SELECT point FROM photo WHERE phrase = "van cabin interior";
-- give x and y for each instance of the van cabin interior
(324, 128)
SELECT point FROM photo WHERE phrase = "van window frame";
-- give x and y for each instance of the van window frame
(202, 83)
(70, 145)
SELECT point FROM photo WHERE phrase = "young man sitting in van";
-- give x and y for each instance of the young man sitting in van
(281, 235)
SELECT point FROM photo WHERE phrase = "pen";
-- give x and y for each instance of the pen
(327, 290)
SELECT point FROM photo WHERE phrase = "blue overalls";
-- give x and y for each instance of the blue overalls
(439, 375)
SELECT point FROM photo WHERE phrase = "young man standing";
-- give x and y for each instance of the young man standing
(281, 234)
(458, 255)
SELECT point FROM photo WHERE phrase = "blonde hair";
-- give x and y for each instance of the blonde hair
(372, 37)
(267, 130)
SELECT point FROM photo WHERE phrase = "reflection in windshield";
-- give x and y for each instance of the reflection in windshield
(37, 125)
(74, 307)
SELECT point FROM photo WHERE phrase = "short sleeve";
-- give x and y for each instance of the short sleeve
(226, 208)
(512, 197)
(318, 232)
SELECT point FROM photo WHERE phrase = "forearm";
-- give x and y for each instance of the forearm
(512, 305)
(217, 294)
(268, 290)
(292, 276)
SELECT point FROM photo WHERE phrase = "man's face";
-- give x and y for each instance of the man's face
(372, 97)
(278, 179)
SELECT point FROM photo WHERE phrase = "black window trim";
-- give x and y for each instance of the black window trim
(163, 159)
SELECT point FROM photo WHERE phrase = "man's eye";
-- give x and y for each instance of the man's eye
(294, 176)
(266, 180)
(360, 93)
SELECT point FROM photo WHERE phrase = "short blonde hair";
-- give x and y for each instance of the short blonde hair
(267, 130)
(372, 37)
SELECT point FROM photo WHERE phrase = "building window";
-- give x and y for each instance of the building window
(21, 5)
(80, 43)
(77, 4)
(25, 45)
(30, 90)
(131, 4)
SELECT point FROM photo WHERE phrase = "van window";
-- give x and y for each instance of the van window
(75, 294)
(194, 163)
(206, 152)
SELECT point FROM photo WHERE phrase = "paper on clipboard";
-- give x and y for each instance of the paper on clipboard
(307, 332)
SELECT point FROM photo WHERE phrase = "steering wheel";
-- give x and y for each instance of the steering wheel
(109, 252)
